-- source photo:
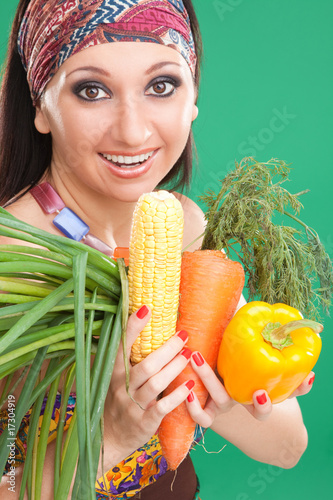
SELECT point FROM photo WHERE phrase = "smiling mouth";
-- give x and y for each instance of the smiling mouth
(128, 161)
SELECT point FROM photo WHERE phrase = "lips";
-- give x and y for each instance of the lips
(132, 168)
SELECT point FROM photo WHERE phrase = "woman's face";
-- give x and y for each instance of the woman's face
(120, 115)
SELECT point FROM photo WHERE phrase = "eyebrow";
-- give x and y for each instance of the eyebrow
(103, 72)
(160, 65)
(96, 69)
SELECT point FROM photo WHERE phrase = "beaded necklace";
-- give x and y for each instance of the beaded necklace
(70, 224)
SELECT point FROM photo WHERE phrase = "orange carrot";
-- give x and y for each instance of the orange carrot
(210, 289)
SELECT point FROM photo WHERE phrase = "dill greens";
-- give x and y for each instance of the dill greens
(283, 264)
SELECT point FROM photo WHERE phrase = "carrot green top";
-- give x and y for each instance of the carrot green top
(283, 263)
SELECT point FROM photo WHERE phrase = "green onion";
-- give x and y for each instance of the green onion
(22, 404)
(32, 435)
(62, 302)
(62, 417)
(43, 437)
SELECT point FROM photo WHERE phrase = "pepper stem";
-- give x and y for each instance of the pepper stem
(279, 335)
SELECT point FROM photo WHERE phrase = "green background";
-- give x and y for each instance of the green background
(267, 92)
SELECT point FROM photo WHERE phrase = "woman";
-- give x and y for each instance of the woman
(102, 118)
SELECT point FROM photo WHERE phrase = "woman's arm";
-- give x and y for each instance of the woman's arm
(278, 440)
(273, 434)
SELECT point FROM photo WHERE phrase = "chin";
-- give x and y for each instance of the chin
(131, 194)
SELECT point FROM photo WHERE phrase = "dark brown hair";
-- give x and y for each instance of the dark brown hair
(25, 154)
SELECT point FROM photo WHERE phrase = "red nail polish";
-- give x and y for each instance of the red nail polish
(262, 399)
(198, 359)
(190, 397)
(190, 384)
(142, 312)
(182, 335)
(186, 353)
(311, 380)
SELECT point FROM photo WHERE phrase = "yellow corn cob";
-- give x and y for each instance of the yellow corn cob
(154, 267)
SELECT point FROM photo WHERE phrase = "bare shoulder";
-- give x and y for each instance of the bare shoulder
(194, 221)
(26, 210)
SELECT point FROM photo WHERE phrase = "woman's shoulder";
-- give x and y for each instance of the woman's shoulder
(194, 222)
(22, 206)
(27, 210)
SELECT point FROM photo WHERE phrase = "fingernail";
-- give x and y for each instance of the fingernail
(182, 335)
(262, 399)
(198, 359)
(311, 380)
(142, 312)
(186, 353)
(190, 397)
(190, 384)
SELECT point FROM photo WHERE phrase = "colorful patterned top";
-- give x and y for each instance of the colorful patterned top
(124, 481)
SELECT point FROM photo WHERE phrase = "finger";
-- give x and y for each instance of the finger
(168, 403)
(159, 382)
(216, 390)
(203, 417)
(136, 323)
(158, 359)
(305, 386)
(261, 407)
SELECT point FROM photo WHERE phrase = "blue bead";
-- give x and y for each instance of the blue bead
(70, 224)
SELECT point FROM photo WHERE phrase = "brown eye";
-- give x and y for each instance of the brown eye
(161, 88)
(91, 92)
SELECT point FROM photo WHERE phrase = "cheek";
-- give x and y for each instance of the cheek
(78, 132)
(177, 122)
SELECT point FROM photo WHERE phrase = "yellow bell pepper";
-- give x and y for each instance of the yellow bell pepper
(267, 347)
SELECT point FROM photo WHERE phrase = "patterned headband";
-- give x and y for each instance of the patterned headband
(53, 30)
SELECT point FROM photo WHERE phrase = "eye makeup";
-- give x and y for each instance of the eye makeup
(82, 85)
(174, 81)
(99, 88)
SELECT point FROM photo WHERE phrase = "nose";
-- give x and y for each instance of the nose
(130, 123)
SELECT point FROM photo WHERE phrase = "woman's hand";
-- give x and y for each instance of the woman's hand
(130, 423)
(220, 402)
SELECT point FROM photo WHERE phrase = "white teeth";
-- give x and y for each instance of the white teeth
(128, 160)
